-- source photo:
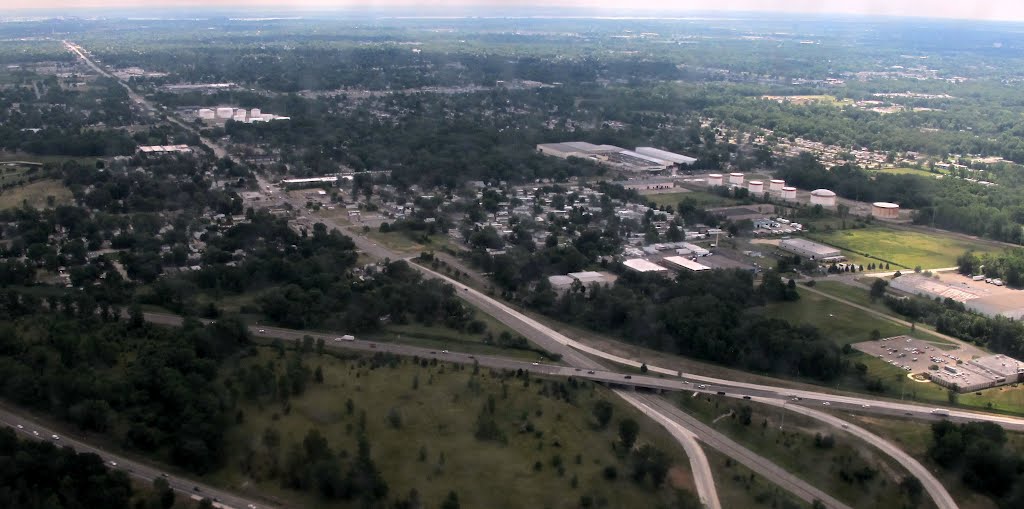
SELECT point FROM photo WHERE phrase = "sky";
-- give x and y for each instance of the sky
(995, 10)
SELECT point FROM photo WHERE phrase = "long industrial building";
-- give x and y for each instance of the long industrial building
(641, 265)
(678, 262)
(610, 155)
(811, 250)
(665, 155)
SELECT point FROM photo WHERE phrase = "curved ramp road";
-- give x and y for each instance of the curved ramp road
(698, 460)
(555, 341)
(932, 485)
(753, 461)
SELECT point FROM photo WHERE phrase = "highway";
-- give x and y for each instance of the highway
(933, 486)
(703, 479)
(29, 429)
(751, 460)
(583, 361)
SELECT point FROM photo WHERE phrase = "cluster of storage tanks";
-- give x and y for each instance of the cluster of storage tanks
(823, 197)
(238, 115)
(775, 186)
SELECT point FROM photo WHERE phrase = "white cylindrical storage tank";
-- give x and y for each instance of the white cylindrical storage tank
(715, 179)
(206, 114)
(736, 179)
(788, 193)
(225, 112)
(776, 185)
(755, 186)
(823, 197)
(885, 210)
(255, 112)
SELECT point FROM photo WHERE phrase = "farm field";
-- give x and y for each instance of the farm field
(906, 248)
(420, 420)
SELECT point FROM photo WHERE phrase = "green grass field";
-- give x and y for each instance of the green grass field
(702, 198)
(839, 322)
(907, 248)
(551, 439)
(793, 448)
(36, 195)
(910, 171)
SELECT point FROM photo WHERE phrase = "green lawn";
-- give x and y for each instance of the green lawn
(36, 195)
(702, 198)
(551, 437)
(907, 248)
(910, 171)
(793, 448)
(837, 321)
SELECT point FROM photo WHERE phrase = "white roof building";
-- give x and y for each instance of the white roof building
(641, 265)
(666, 155)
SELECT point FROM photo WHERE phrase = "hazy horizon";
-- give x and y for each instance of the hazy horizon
(986, 10)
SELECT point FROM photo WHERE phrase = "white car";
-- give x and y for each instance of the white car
(36, 433)
(865, 405)
(113, 463)
(55, 437)
(21, 427)
(535, 364)
(826, 403)
(263, 331)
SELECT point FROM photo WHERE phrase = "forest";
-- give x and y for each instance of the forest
(704, 315)
(978, 452)
(37, 474)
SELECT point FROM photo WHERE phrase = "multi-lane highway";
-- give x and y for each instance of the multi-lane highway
(931, 484)
(30, 429)
(584, 362)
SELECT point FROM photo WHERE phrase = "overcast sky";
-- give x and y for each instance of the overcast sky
(965, 9)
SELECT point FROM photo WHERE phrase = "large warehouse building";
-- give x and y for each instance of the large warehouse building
(678, 262)
(641, 265)
(666, 155)
(811, 250)
(610, 155)
(980, 373)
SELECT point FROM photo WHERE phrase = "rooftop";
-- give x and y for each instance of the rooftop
(641, 265)
(686, 263)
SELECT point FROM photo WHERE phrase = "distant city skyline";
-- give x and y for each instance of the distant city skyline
(993, 10)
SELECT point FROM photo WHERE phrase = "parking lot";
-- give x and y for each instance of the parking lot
(909, 354)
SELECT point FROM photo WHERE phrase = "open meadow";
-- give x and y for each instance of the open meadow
(906, 248)
(496, 439)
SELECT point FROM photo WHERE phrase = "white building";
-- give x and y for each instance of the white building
(678, 262)
(666, 155)
(641, 265)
